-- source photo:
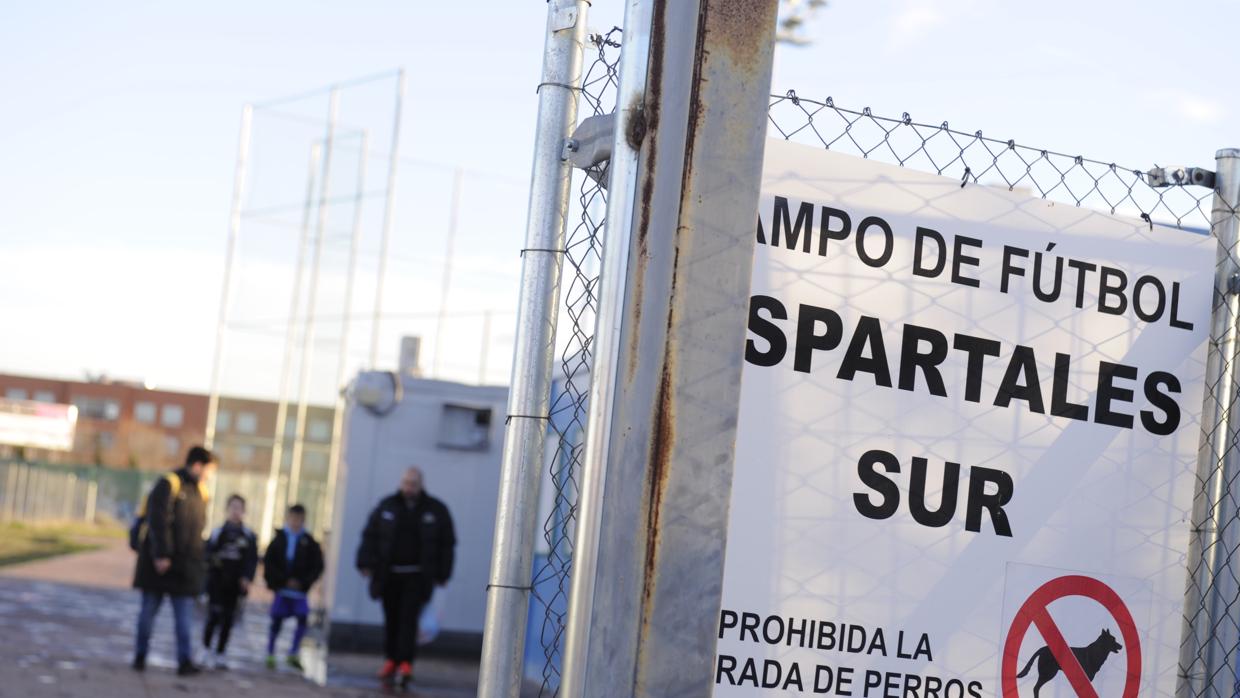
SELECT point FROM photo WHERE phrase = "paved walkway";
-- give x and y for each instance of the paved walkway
(109, 567)
(68, 625)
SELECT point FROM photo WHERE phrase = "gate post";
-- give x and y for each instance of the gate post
(1211, 633)
(508, 593)
(685, 177)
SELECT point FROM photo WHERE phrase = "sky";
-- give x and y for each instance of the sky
(118, 140)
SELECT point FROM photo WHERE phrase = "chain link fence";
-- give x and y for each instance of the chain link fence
(1207, 654)
(37, 492)
(33, 494)
(582, 256)
(975, 159)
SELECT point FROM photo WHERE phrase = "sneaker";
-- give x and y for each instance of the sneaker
(188, 669)
(295, 662)
(139, 662)
(388, 670)
(271, 661)
(221, 664)
(406, 674)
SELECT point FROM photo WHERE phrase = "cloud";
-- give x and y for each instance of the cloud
(1191, 107)
(911, 24)
(1200, 109)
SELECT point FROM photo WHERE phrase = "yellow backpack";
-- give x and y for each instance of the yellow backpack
(137, 531)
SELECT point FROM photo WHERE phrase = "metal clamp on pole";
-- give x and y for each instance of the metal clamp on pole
(591, 141)
(1180, 176)
(591, 146)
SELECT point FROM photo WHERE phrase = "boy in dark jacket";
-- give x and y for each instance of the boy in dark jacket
(291, 566)
(232, 557)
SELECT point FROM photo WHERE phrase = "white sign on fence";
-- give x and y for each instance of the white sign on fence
(966, 454)
(37, 424)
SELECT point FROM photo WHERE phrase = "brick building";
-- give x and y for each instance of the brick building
(124, 424)
(245, 430)
(120, 424)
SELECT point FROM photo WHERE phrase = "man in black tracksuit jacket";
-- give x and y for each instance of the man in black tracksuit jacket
(407, 548)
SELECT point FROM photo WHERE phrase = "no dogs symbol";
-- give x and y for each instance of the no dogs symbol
(1078, 664)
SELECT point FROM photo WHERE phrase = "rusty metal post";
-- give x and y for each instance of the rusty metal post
(646, 595)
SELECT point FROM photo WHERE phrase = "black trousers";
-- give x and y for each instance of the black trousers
(404, 595)
(221, 610)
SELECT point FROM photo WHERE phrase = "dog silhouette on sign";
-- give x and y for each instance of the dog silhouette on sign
(1091, 657)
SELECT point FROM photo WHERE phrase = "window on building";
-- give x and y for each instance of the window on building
(245, 454)
(172, 446)
(16, 393)
(145, 412)
(97, 408)
(319, 430)
(290, 426)
(172, 416)
(105, 440)
(247, 423)
(314, 463)
(223, 420)
(44, 396)
(465, 428)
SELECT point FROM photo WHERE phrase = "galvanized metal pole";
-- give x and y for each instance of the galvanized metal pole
(657, 521)
(453, 216)
(312, 292)
(1211, 633)
(342, 362)
(92, 500)
(10, 490)
(230, 255)
(290, 343)
(389, 208)
(234, 216)
(485, 347)
(326, 519)
(508, 592)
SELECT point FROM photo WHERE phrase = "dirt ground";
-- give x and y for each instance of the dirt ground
(69, 623)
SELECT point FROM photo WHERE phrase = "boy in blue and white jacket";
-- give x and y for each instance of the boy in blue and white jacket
(292, 564)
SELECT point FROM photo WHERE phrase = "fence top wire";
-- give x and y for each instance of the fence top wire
(979, 159)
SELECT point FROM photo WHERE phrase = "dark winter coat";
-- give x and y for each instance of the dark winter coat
(232, 555)
(437, 540)
(174, 531)
(306, 566)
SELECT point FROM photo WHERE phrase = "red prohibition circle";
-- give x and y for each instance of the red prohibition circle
(1034, 612)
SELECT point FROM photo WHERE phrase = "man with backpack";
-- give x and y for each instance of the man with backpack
(168, 538)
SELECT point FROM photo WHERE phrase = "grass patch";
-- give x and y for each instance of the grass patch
(25, 542)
